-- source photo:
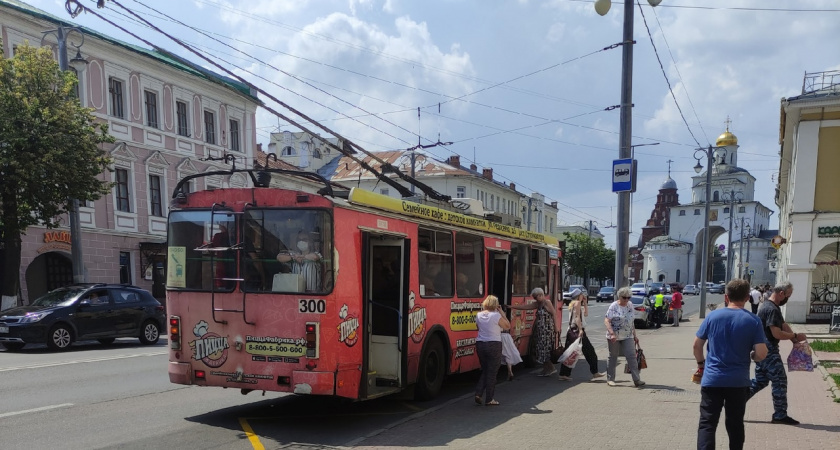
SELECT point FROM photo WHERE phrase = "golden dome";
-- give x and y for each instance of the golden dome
(726, 139)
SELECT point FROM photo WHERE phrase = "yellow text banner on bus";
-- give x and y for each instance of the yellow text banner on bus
(362, 197)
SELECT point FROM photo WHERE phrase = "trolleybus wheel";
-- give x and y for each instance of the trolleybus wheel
(432, 371)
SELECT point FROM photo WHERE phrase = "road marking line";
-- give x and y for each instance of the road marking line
(253, 438)
(43, 408)
(80, 361)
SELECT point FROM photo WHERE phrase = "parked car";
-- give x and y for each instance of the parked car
(83, 312)
(691, 289)
(716, 289)
(606, 294)
(567, 298)
(638, 289)
(643, 308)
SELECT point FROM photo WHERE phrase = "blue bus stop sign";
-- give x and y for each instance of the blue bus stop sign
(624, 175)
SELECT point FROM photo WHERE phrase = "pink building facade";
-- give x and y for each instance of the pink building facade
(170, 119)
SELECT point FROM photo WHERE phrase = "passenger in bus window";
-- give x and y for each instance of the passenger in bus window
(462, 284)
(306, 260)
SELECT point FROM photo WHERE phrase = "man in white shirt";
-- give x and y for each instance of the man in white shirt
(755, 299)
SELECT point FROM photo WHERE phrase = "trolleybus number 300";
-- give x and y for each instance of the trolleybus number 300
(313, 306)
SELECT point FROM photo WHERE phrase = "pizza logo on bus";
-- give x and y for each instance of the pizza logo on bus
(209, 348)
(416, 319)
(348, 327)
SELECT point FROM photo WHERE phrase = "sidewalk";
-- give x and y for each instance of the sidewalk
(544, 412)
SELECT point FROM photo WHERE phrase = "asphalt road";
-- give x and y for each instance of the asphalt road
(95, 396)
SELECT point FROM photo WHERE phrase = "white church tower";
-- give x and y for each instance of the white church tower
(733, 208)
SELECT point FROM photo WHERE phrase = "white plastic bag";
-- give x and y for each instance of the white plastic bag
(571, 355)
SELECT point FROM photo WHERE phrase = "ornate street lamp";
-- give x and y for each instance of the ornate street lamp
(704, 263)
(78, 64)
(622, 242)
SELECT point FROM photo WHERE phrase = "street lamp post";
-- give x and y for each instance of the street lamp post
(729, 254)
(704, 258)
(78, 63)
(622, 244)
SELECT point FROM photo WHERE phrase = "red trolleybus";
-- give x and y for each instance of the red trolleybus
(350, 294)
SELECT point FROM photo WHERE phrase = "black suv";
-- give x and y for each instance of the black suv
(80, 312)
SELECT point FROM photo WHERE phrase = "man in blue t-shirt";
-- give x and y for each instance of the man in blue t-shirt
(735, 336)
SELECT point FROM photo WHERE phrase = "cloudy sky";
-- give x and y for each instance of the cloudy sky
(524, 86)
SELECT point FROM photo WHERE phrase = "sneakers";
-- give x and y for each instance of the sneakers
(611, 383)
(597, 375)
(786, 420)
(564, 378)
(639, 383)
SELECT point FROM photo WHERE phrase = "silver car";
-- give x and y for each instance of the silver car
(643, 311)
(690, 289)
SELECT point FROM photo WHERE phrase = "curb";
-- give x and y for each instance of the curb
(833, 388)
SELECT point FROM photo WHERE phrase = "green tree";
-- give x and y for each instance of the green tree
(588, 255)
(49, 151)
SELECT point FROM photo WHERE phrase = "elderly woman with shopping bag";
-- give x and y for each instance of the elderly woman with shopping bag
(621, 335)
(577, 332)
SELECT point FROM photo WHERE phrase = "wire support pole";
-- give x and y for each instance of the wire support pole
(622, 246)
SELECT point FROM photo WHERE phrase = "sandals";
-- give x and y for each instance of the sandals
(478, 400)
(492, 403)
(548, 374)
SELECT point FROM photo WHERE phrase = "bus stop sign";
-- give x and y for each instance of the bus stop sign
(624, 175)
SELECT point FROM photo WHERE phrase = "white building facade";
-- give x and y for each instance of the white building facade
(807, 196)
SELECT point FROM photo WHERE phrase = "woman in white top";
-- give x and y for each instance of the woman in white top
(491, 321)
(577, 328)
(621, 334)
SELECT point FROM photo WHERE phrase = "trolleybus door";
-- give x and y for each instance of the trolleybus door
(499, 276)
(385, 283)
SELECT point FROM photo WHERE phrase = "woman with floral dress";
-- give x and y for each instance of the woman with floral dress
(544, 329)
(621, 334)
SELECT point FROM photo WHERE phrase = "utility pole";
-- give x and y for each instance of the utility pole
(741, 250)
(586, 281)
(730, 257)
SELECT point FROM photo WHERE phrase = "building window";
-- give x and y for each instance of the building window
(122, 191)
(726, 210)
(234, 135)
(183, 119)
(115, 88)
(678, 276)
(460, 192)
(151, 109)
(696, 212)
(682, 212)
(716, 196)
(209, 127)
(154, 196)
(125, 268)
(742, 209)
(288, 151)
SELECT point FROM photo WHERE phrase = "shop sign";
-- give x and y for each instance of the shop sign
(828, 231)
(57, 236)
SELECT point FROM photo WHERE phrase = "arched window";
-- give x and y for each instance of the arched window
(716, 196)
(288, 151)
(678, 276)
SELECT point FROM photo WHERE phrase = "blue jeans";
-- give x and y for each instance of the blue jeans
(712, 400)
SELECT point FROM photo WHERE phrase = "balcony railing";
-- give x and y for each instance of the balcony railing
(828, 81)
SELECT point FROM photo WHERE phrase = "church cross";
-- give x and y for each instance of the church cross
(669, 167)
(727, 122)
